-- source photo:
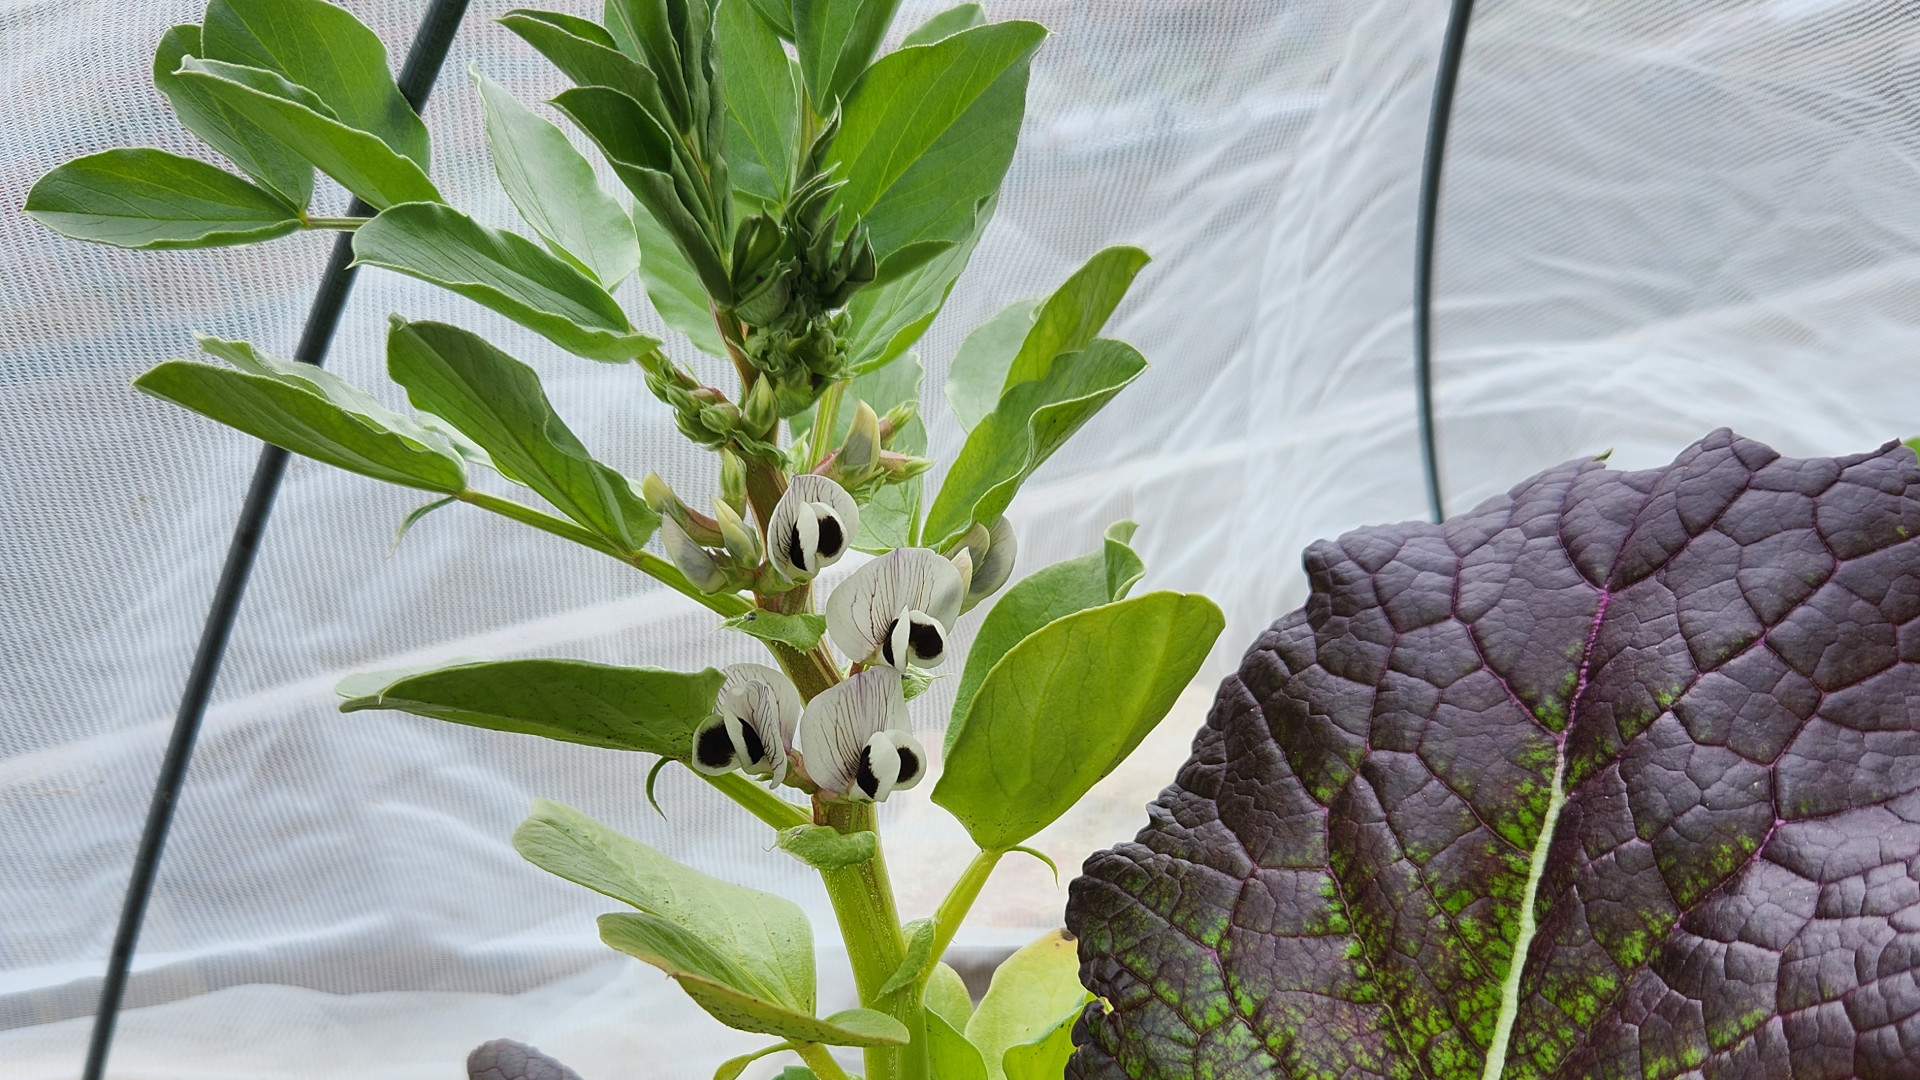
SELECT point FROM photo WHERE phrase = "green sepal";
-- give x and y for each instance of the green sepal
(824, 847)
(801, 631)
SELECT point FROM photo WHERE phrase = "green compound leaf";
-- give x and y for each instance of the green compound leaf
(140, 198)
(554, 189)
(245, 143)
(507, 273)
(1065, 707)
(751, 941)
(835, 41)
(763, 104)
(1032, 420)
(1029, 993)
(949, 1052)
(802, 631)
(309, 411)
(980, 367)
(935, 200)
(1047, 594)
(326, 50)
(824, 847)
(360, 161)
(946, 24)
(1072, 317)
(642, 154)
(498, 402)
(909, 98)
(586, 54)
(617, 708)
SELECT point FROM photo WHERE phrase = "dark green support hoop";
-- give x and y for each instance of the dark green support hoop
(1451, 50)
(417, 75)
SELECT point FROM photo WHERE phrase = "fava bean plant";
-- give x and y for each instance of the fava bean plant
(800, 207)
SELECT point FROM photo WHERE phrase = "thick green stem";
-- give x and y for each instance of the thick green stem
(344, 224)
(758, 801)
(862, 899)
(821, 1062)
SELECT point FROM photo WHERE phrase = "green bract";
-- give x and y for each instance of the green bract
(798, 205)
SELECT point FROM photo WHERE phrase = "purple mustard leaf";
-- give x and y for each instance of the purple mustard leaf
(1656, 733)
(504, 1059)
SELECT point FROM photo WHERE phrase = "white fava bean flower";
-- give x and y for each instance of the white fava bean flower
(813, 525)
(897, 609)
(856, 739)
(752, 725)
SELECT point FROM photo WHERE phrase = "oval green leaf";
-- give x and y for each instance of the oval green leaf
(1047, 594)
(498, 402)
(1030, 991)
(949, 1053)
(1065, 707)
(502, 271)
(554, 189)
(245, 143)
(1032, 420)
(360, 161)
(326, 50)
(909, 98)
(309, 411)
(647, 709)
(141, 198)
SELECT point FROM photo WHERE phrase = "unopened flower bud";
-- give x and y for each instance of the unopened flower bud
(900, 467)
(733, 480)
(723, 418)
(741, 541)
(762, 410)
(692, 559)
(997, 566)
(963, 561)
(660, 497)
(861, 450)
(895, 420)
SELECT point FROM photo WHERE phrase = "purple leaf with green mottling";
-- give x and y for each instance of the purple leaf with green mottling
(1657, 733)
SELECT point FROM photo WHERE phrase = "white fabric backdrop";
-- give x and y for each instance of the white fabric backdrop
(1658, 218)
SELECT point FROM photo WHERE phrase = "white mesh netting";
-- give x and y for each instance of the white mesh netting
(1658, 218)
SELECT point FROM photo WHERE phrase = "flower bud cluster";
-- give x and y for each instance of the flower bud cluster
(706, 417)
(792, 277)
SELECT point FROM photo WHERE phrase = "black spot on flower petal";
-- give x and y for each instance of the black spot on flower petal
(795, 553)
(832, 539)
(864, 775)
(926, 640)
(713, 747)
(756, 748)
(909, 767)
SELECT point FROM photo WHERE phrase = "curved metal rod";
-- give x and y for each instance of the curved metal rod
(1451, 50)
(417, 75)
